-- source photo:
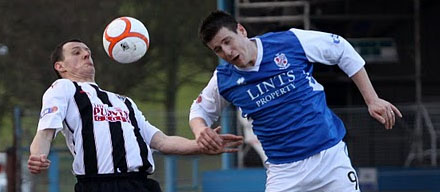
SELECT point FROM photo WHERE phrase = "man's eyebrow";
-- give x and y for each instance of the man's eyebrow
(222, 41)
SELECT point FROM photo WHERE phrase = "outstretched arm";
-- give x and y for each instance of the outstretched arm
(206, 137)
(39, 150)
(183, 146)
(383, 111)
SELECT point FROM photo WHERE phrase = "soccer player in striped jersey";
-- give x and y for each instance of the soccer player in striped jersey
(269, 78)
(107, 134)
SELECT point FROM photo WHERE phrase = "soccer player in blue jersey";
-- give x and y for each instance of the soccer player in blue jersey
(269, 78)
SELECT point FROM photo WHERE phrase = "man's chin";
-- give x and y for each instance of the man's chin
(240, 65)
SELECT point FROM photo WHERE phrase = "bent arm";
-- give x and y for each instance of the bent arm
(381, 110)
(39, 150)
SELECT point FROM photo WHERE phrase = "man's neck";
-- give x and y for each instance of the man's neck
(77, 79)
(254, 52)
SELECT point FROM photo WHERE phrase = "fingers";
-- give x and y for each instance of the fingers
(34, 170)
(231, 137)
(384, 112)
(229, 144)
(233, 144)
(214, 135)
(391, 113)
(36, 163)
(393, 119)
(379, 117)
(44, 159)
(218, 129)
(209, 139)
(230, 150)
(212, 142)
(396, 111)
(205, 144)
(390, 119)
(386, 117)
(231, 147)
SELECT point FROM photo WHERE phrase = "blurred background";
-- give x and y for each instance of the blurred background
(397, 38)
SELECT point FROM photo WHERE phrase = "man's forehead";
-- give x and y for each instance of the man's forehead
(223, 32)
(74, 45)
(220, 36)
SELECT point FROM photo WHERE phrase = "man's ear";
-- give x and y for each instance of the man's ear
(241, 30)
(59, 66)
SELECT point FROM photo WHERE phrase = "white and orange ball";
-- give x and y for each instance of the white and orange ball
(126, 39)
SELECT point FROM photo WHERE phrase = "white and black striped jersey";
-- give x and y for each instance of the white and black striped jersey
(105, 132)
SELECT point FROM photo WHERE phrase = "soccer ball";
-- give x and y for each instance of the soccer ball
(126, 39)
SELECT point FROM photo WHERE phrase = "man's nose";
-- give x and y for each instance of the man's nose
(86, 55)
(227, 50)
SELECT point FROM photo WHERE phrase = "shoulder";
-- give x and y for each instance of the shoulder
(211, 89)
(213, 81)
(276, 35)
(128, 101)
(60, 87)
(224, 68)
(310, 35)
(275, 39)
(125, 99)
(62, 83)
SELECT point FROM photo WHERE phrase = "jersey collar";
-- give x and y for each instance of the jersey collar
(256, 67)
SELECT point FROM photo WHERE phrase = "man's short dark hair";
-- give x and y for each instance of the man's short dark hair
(57, 54)
(214, 22)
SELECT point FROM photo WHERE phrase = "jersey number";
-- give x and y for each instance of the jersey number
(353, 178)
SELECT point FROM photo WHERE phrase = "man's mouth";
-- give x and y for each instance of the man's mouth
(236, 58)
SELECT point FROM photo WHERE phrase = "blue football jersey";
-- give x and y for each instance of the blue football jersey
(287, 105)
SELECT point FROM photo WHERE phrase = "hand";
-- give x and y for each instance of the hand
(384, 112)
(38, 163)
(213, 143)
(229, 145)
(231, 142)
(209, 139)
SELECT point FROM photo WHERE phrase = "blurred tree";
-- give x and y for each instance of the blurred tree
(176, 55)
